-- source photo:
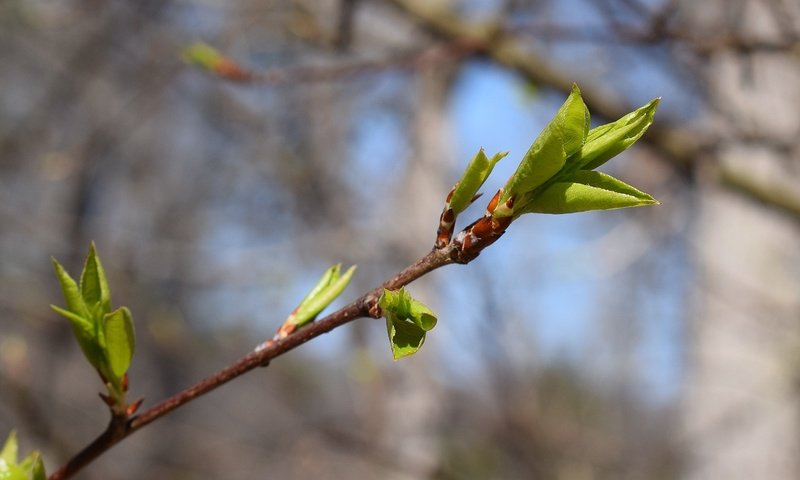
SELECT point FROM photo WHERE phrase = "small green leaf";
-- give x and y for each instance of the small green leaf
(30, 468)
(94, 285)
(11, 472)
(476, 173)
(202, 54)
(588, 190)
(574, 122)
(120, 340)
(609, 140)
(407, 321)
(72, 294)
(330, 275)
(330, 286)
(86, 335)
(33, 467)
(562, 137)
(405, 337)
(37, 469)
(9, 452)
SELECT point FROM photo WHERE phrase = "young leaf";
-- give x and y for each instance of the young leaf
(72, 294)
(203, 55)
(562, 137)
(324, 282)
(9, 452)
(476, 173)
(588, 190)
(407, 321)
(609, 140)
(37, 469)
(120, 340)
(330, 286)
(86, 335)
(31, 468)
(94, 286)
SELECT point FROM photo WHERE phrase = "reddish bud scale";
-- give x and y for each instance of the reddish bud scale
(107, 400)
(285, 330)
(480, 235)
(450, 195)
(134, 407)
(125, 383)
(445, 231)
(227, 69)
(493, 202)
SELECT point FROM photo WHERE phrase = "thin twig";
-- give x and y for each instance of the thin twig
(365, 306)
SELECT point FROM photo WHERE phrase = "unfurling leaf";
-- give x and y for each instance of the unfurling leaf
(329, 287)
(476, 173)
(407, 321)
(71, 291)
(10, 449)
(94, 285)
(588, 190)
(105, 337)
(203, 55)
(86, 335)
(611, 139)
(120, 341)
(30, 468)
(562, 137)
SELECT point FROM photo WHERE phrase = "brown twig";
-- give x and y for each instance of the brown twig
(120, 428)
(233, 71)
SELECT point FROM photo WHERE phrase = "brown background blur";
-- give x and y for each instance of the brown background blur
(655, 343)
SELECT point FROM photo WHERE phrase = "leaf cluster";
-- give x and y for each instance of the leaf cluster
(106, 337)
(30, 468)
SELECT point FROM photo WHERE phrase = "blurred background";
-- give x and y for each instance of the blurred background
(652, 343)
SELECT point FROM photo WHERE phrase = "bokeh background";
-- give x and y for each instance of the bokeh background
(652, 343)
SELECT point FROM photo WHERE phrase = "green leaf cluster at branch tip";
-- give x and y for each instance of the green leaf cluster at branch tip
(106, 337)
(407, 321)
(555, 174)
(30, 468)
(327, 289)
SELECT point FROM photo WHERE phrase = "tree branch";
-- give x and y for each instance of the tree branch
(120, 428)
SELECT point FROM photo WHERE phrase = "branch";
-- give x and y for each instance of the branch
(121, 427)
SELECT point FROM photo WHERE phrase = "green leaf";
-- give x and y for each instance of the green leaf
(9, 452)
(476, 173)
(86, 335)
(330, 286)
(31, 468)
(562, 137)
(407, 321)
(588, 190)
(94, 285)
(609, 140)
(202, 54)
(37, 468)
(11, 472)
(120, 340)
(327, 278)
(72, 294)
